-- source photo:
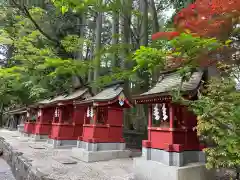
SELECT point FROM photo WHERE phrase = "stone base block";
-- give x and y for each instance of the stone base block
(62, 144)
(38, 137)
(100, 146)
(20, 128)
(153, 170)
(93, 156)
(92, 152)
(26, 135)
(173, 158)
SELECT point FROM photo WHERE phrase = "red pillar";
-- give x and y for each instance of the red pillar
(149, 121)
(41, 116)
(74, 119)
(95, 115)
(171, 115)
(60, 115)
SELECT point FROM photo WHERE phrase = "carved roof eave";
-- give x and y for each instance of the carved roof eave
(60, 102)
(96, 101)
(160, 97)
(102, 102)
(17, 111)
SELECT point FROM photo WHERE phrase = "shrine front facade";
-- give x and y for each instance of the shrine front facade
(67, 120)
(172, 137)
(102, 136)
(44, 120)
(30, 122)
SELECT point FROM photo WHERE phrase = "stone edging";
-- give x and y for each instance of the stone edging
(21, 167)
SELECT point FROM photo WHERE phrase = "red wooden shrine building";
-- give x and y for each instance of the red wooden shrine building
(102, 136)
(172, 139)
(39, 118)
(30, 122)
(55, 119)
(67, 120)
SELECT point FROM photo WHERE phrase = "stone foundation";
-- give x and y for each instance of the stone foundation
(92, 152)
(153, 170)
(62, 143)
(26, 134)
(173, 158)
(38, 137)
(100, 146)
(20, 128)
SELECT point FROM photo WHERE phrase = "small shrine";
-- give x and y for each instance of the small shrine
(172, 137)
(43, 123)
(102, 136)
(16, 118)
(30, 123)
(67, 120)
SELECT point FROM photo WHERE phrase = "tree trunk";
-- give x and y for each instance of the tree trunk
(143, 42)
(155, 28)
(155, 24)
(238, 173)
(1, 114)
(97, 59)
(79, 55)
(125, 40)
(115, 32)
(144, 23)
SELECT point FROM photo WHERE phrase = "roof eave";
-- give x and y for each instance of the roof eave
(140, 97)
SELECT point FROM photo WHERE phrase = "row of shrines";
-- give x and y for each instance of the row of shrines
(93, 124)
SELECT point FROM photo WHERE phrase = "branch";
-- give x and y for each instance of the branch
(85, 85)
(24, 9)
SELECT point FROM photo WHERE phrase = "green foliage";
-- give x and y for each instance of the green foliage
(72, 43)
(83, 5)
(218, 122)
(35, 70)
(190, 47)
(185, 47)
(148, 58)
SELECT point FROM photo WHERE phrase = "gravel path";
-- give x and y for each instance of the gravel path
(48, 162)
(5, 171)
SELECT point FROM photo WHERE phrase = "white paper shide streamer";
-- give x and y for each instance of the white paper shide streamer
(39, 113)
(156, 113)
(164, 112)
(56, 112)
(90, 112)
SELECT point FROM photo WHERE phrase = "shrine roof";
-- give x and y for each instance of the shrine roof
(72, 96)
(17, 111)
(62, 98)
(108, 93)
(46, 101)
(171, 81)
(75, 94)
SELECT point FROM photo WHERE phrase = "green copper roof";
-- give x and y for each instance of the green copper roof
(171, 81)
(106, 94)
